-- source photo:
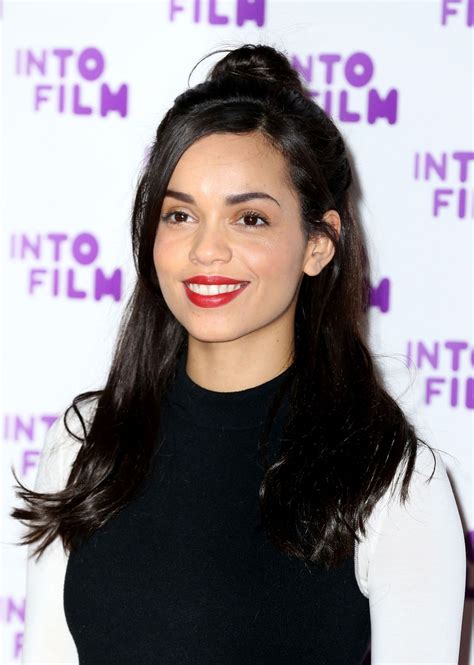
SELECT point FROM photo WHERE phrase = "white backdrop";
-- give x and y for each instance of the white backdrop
(85, 85)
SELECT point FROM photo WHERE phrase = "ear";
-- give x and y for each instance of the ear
(320, 249)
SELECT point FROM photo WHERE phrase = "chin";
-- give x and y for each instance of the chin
(214, 335)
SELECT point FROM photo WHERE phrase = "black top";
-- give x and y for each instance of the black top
(184, 574)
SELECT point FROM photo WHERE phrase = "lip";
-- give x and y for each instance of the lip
(216, 300)
(214, 279)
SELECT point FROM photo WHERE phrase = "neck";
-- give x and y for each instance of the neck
(231, 366)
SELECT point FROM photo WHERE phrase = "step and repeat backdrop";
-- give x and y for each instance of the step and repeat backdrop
(85, 86)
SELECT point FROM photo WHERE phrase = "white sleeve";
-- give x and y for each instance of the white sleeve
(412, 567)
(46, 638)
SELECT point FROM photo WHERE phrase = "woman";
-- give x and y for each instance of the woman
(243, 489)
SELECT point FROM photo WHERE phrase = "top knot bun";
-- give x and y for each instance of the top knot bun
(258, 61)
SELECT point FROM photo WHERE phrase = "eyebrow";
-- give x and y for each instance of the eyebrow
(231, 199)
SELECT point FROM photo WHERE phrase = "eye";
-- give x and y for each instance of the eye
(252, 214)
(255, 215)
(168, 217)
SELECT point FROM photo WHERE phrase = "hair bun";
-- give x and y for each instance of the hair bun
(258, 61)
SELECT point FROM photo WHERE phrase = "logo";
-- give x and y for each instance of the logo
(238, 12)
(463, 9)
(64, 266)
(344, 86)
(12, 611)
(379, 296)
(447, 175)
(444, 371)
(70, 82)
(24, 433)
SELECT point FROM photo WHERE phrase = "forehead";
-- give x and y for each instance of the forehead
(231, 162)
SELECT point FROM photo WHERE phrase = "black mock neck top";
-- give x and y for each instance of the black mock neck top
(184, 573)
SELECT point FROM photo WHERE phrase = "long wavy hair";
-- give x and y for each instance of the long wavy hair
(345, 438)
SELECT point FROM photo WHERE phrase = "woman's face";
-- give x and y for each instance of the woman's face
(206, 235)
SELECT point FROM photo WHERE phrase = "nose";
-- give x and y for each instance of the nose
(209, 244)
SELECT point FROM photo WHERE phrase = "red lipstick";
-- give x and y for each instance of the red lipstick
(215, 300)
(213, 279)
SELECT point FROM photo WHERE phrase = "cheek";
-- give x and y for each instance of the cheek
(163, 267)
(157, 256)
(278, 263)
(163, 255)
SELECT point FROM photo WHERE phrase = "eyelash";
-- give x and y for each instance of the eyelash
(249, 213)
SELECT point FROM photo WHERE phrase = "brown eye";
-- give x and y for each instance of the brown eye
(254, 216)
(169, 217)
(249, 214)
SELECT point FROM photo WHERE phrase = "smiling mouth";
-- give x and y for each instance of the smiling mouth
(214, 289)
(211, 295)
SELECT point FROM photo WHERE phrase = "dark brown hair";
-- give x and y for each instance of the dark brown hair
(346, 438)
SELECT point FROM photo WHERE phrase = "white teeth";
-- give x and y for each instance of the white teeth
(213, 289)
